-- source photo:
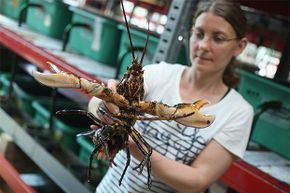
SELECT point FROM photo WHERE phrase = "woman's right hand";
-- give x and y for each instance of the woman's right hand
(95, 104)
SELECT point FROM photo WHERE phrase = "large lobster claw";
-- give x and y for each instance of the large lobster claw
(195, 118)
(59, 79)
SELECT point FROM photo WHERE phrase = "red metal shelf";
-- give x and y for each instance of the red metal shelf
(159, 9)
(245, 178)
(37, 55)
(12, 177)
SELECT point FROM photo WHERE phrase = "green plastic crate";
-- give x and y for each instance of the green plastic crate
(65, 127)
(49, 18)
(4, 83)
(6, 59)
(257, 90)
(26, 91)
(86, 149)
(100, 42)
(138, 40)
(11, 8)
(272, 129)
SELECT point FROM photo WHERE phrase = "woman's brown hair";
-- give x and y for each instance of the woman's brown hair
(231, 11)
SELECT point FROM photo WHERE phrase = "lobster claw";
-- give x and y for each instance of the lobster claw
(195, 118)
(57, 80)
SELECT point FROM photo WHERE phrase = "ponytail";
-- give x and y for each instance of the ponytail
(230, 77)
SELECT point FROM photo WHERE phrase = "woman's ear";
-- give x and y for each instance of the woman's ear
(241, 46)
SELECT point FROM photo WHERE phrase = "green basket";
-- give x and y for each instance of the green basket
(256, 90)
(26, 90)
(6, 59)
(49, 18)
(99, 40)
(138, 40)
(11, 8)
(64, 127)
(4, 83)
(272, 129)
(86, 149)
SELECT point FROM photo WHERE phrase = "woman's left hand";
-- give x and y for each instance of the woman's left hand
(134, 149)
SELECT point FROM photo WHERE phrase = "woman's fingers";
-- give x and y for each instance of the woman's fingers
(134, 149)
(101, 109)
(105, 109)
(94, 127)
(112, 84)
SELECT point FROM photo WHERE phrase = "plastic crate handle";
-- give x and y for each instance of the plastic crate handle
(263, 107)
(69, 28)
(23, 11)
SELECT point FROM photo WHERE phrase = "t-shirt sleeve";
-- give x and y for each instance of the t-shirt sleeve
(235, 135)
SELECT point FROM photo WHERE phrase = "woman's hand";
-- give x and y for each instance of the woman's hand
(134, 149)
(96, 103)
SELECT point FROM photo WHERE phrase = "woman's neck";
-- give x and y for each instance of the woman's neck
(194, 86)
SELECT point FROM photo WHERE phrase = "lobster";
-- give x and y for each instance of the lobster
(129, 97)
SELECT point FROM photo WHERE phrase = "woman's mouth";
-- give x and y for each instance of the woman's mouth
(204, 58)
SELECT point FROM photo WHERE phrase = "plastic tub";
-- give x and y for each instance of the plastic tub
(138, 40)
(257, 90)
(26, 91)
(11, 8)
(64, 127)
(272, 129)
(84, 154)
(99, 40)
(49, 18)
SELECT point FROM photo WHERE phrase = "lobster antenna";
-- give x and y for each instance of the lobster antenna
(128, 30)
(145, 48)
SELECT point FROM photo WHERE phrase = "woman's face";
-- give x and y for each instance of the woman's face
(213, 43)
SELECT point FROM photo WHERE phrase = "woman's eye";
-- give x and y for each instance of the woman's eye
(198, 35)
(219, 39)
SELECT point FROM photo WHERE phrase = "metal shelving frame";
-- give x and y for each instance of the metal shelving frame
(51, 166)
(176, 30)
(241, 176)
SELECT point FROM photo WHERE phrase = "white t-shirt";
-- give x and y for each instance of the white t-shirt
(231, 129)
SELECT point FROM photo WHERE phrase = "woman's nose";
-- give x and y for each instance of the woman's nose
(205, 43)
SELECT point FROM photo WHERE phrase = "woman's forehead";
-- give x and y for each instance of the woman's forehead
(214, 23)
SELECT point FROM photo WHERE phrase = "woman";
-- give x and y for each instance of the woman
(187, 159)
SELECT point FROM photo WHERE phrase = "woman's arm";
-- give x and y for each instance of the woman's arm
(209, 166)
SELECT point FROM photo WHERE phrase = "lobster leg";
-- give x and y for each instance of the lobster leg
(95, 151)
(82, 112)
(127, 163)
(103, 142)
(114, 117)
(146, 150)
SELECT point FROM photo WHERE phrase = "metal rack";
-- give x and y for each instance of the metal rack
(179, 20)
(240, 176)
(61, 175)
(51, 166)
